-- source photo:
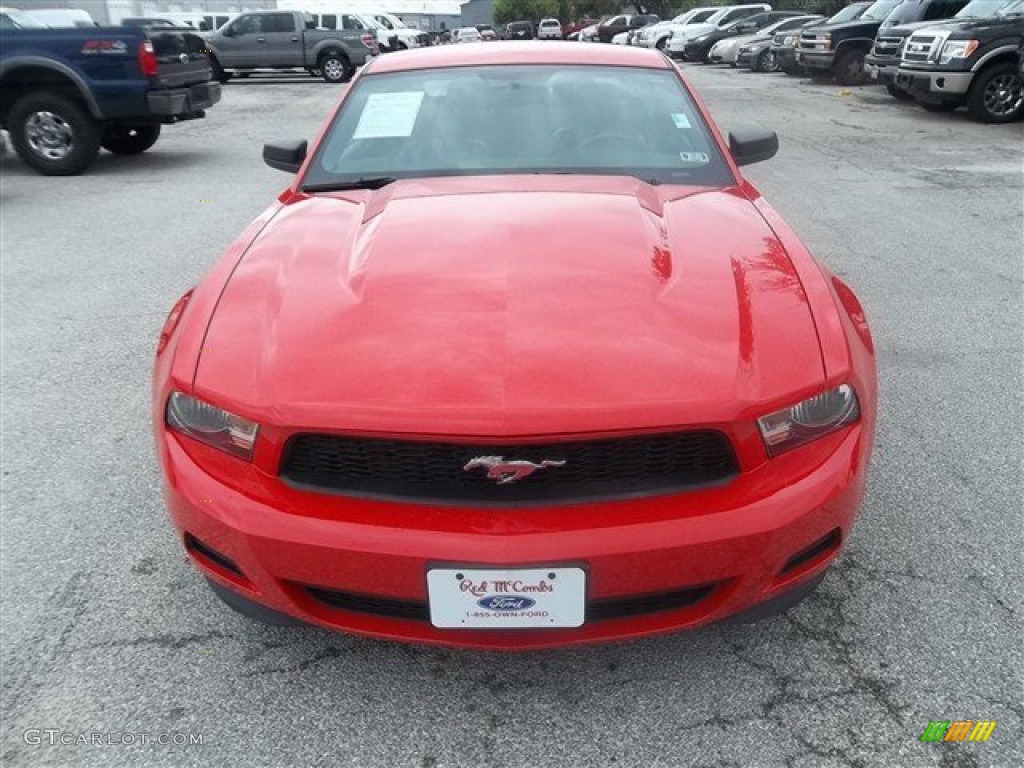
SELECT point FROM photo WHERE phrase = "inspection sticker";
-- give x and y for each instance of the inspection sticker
(699, 158)
(389, 115)
(681, 120)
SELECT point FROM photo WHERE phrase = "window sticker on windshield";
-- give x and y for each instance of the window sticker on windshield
(389, 115)
(681, 120)
(695, 158)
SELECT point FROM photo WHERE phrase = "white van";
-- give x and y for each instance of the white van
(217, 20)
(195, 20)
(386, 40)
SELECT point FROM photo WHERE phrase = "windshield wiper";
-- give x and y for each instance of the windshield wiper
(369, 182)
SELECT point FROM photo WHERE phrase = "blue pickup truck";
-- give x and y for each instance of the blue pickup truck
(65, 93)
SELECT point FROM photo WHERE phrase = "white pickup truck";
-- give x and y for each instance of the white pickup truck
(408, 37)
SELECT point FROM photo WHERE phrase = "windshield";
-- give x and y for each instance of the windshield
(911, 10)
(849, 13)
(394, 21)
(701, 17)
(14, 19)
(878, 11)
(529, 119)
(982, 9)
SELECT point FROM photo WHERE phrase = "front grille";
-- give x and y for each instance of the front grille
(597, 610)
(579, 470)
(918, 48)
(811, 42)
(888, 47)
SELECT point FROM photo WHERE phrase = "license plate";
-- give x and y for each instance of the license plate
(470, 598)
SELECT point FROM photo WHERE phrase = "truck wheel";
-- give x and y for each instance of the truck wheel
(130, 139)
(997, 94)
(662, 44)
(218, 71)
(53, 134)
(849, 67)
(898, 93)
(763, 62)
(336, 68)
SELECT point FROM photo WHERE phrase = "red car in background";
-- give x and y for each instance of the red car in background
(572, 27)
(519, 359)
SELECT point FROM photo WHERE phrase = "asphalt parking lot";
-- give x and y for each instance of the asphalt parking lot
(107, 628)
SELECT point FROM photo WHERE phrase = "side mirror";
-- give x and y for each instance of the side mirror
(753, 145)
(285, 155)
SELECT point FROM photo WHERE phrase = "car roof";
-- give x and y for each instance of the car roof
(520, 53)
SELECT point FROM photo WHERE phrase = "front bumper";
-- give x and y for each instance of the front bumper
(173, 104)
(747, 58)
(939, 86)
(785, 56)
(812, 59)
(696, 51)
(881, 70)
(731, 544)
(720, 55)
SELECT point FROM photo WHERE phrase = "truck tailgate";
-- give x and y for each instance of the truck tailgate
(181, 57)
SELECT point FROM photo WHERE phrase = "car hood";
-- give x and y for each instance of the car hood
(903, 30)
(734, 42)
(694, 30)
(854, 25)
(998, 23)
(465, 308)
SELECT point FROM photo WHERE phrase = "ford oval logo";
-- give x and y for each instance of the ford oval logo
(506, 603)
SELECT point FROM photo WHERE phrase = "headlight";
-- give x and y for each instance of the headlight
(791, 40)
(209, 424)
(809, 420)
(957, 49)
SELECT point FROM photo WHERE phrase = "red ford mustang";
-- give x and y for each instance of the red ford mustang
(518, 360)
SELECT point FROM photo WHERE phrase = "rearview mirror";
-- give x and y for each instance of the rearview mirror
(753, 145)
(285, 155)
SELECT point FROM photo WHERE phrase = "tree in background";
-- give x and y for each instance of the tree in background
(573, 10)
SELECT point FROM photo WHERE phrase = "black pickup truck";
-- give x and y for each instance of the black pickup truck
(841, 49)
(973, 63)
(785, 44)
(64, 93)
(883, 62)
